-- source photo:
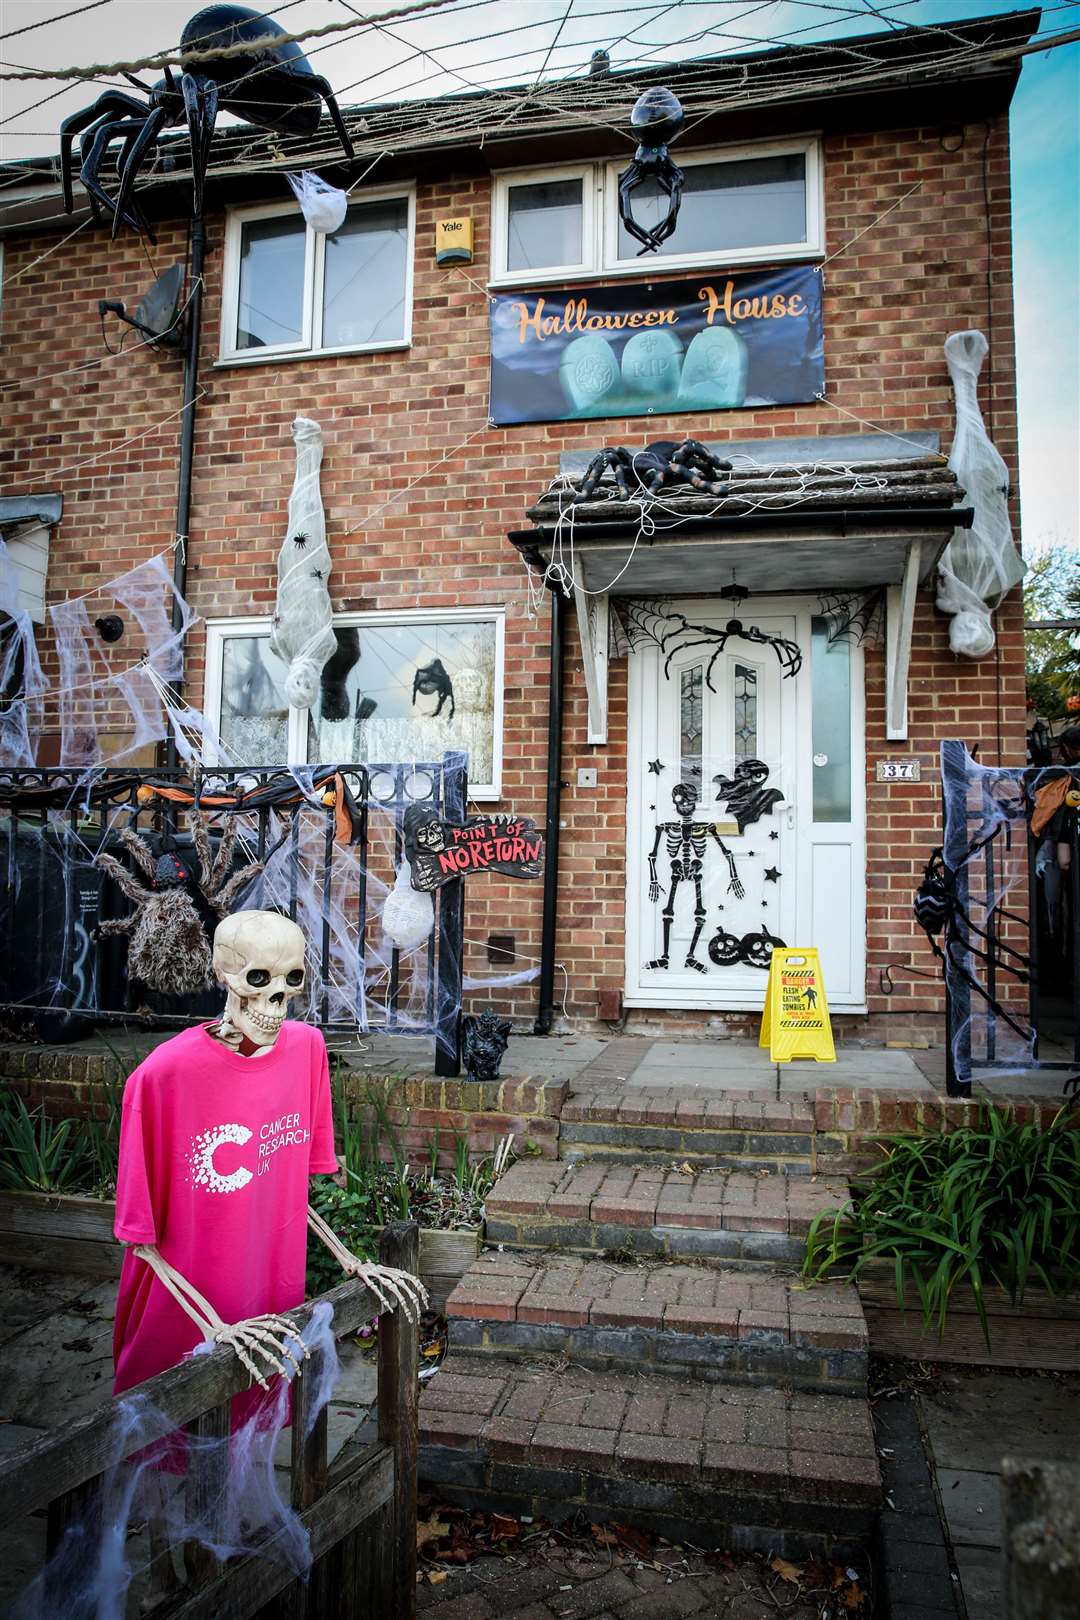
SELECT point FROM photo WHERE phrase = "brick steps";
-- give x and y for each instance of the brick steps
(763, 1469)
(738, 1131)
(698, 1321)
(592, 1209)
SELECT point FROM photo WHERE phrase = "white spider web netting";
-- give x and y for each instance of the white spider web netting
(1010, 851)
(105, 1554)
(22, 683)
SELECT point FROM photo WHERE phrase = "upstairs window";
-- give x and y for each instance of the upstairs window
(742, 205)
(290, 291)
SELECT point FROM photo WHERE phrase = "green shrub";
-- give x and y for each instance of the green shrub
(38, 1154)
(993, 1203)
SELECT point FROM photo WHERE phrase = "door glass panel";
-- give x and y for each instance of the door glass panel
(254, 722)
(752, 202)
(745, 694)
(831, 725)
(690, 723)
(364, 277)
(544, 225)
(271, 300)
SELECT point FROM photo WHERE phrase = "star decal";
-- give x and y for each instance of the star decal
(695, 770)
(772, 873)
(656, 766)
(774, 835)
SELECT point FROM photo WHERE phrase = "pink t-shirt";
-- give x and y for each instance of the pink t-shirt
(215, 1154)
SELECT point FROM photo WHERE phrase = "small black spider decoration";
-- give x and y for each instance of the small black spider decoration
(657, 119)
(660, 465)
(432, 678)
(269, 83)
(169, 950)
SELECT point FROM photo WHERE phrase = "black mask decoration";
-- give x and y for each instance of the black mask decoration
(745, 795)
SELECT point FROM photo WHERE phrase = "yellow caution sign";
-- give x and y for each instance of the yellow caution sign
(796, 1019)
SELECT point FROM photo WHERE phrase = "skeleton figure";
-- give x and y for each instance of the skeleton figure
(432, 678)
(686, 841)
(259, 957)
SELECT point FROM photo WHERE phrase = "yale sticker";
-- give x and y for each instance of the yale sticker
(453, 241)
(796, 1018)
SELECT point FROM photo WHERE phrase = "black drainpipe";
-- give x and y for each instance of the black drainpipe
(187, 438)
(545, 1016)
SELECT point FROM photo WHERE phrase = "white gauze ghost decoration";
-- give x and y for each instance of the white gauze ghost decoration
(302, 632)
(259, 957)
(408, 914)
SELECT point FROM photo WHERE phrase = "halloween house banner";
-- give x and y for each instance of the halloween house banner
(640, 348)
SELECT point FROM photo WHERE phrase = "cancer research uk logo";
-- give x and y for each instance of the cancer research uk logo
(274, 1134)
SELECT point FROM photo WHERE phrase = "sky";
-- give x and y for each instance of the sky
(488, 42)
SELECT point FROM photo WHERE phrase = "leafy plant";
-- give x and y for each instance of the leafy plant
(38, 1154)
(348, 1212)
(993, 1203)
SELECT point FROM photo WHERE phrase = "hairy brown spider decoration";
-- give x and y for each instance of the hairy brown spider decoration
(169, 950)
(661, 465)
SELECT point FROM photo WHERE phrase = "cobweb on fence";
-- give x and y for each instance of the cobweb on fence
(105, 1553)
(978, 903)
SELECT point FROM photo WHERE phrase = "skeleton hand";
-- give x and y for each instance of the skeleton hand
(390, 1286)
(275, 1338)
(654, 890)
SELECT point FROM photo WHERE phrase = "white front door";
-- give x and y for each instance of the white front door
(737, 840)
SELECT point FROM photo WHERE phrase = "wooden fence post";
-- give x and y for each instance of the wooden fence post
(399, 1417)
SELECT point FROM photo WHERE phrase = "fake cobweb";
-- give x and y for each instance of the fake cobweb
(22, 683)
(105, 1554)
(1001, 889)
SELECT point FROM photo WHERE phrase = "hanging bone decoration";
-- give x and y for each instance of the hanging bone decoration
(653, 621)
(169, 951)
(686, 841)
(980, 565)
(302, 631)
(656, 120)
(745, 795)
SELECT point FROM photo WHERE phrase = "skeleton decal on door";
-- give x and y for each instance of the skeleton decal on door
(686, 841)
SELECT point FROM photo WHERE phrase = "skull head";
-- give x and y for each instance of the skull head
(259, 957)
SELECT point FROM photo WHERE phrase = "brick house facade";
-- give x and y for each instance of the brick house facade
(420, 490)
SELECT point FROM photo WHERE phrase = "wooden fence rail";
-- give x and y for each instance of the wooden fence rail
(360, 1513)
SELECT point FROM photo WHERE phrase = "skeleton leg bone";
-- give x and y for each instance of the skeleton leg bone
(699, 920)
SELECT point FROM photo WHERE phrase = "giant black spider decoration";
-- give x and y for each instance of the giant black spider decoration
(674, 632)
(271, 85)
(656, 120)
(664, 463)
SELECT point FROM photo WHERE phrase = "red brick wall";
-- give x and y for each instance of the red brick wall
(891, 297)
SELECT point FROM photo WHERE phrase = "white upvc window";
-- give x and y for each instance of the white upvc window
(290, 291)
(405, 687)
(753, 204)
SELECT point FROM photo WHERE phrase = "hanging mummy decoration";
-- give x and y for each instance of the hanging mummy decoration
(686, 841)
(302, 631)
(657, 120)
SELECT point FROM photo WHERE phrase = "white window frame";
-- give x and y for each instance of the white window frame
(500, 220)
(314, 262)
(600, 220)
(218, 631)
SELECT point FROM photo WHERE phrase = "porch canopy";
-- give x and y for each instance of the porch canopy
(816, 514)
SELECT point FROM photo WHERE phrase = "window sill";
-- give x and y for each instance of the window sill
(227, 362)
(711, 264)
